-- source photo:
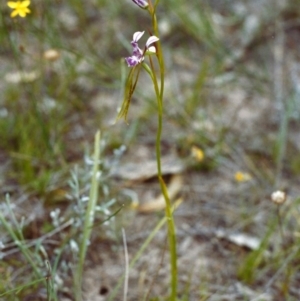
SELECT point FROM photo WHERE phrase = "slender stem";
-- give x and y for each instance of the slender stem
(168, 209)
(280, 224)
(89, 220)
(160, 60)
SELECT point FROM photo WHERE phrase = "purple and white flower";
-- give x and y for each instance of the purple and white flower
(137, 54)
(141, 3)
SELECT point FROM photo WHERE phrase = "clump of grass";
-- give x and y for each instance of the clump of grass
(33, 258)
(276, 259)
(75, 241)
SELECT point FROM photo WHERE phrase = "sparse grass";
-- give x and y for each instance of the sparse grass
(220, 96)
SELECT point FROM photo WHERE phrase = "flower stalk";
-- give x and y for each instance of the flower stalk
(168, 208)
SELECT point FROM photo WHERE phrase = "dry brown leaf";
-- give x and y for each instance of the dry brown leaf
(159, 203)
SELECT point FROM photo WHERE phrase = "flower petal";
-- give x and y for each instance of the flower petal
(137, 35)
(25, 3)
(14, 13)
(26, 10)
(22, 13)
(132, 61)
(12, 4)
(151, 40)
(152, 49)
(141, 3)
(137, 52)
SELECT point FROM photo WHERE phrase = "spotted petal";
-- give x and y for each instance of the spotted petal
(132, 60)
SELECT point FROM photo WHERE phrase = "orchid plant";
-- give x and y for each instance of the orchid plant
(135, 62)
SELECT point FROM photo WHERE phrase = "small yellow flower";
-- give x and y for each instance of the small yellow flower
(242, 176)
(197, 153)
(19, 8)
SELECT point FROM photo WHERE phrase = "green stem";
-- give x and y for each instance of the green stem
(168, 209)
(89, 220)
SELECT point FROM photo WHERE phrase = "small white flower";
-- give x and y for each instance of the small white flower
(278, 197)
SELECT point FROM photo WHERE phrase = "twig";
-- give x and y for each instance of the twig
(126, 265)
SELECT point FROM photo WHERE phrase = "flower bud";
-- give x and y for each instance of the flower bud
(141, 3)
(278, 197)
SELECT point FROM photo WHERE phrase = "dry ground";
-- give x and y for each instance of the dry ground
(220, 221)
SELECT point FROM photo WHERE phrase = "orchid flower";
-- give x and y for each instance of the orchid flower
(137, 54)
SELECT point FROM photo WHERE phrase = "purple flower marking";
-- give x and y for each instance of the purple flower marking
(141, 3)
(137, 54)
